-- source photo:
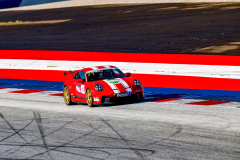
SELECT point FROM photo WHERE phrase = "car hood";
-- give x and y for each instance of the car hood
(117, 83)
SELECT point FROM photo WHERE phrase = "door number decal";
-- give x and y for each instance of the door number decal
(81, 89)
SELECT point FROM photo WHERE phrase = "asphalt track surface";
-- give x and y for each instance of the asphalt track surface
(196, 28)
(34, 127)
(42, 127)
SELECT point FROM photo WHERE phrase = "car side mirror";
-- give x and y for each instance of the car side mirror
(128, 74)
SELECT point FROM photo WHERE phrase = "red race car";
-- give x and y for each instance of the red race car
(101, 85)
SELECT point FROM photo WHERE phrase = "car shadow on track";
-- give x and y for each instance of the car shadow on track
(158, 97)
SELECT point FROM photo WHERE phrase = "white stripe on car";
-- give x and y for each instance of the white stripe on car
(94, 68)
(113, 87)
(108, 67)
(125, 85)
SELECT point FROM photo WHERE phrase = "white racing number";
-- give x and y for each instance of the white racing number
(83, 89)
(78, 88)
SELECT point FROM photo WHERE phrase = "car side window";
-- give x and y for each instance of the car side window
(82, 75)
(116, 72)
(76, 76)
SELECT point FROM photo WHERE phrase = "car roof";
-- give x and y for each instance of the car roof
(97, 68)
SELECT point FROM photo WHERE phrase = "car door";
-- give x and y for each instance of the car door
(79, 84)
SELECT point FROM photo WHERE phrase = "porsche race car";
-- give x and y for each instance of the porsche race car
(101, 85)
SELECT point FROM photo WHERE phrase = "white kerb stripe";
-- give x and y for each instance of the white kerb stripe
(214, 71)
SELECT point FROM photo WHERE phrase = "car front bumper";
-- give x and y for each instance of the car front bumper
(115, 100)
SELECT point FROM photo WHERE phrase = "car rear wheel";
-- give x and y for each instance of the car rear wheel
(67, 96)
(89, 98)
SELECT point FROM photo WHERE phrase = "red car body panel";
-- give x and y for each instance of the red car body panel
(111, 87)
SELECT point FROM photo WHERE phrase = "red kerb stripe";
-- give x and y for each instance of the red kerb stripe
(188, 82)
(166, 100)
(121, 57)
(208, 102)
(26, 91)
(147, 80)
(57, 94)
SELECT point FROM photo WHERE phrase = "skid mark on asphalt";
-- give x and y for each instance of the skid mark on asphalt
(65, 147)
(58, 148)
(38, 120)
(16, 132)
(135, 151)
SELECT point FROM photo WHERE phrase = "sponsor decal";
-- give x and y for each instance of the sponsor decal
(96, 99)
(89, 73)
(114, 81)
(78, 88)
(124, 94)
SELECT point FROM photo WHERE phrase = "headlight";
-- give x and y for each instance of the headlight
(137, 83)
(98, 87)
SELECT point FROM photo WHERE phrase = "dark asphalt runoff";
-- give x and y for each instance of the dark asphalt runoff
(196, 28)
(38, 127)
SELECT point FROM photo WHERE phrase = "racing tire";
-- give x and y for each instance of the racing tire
(67, 96)
(140, 97)
(89, 98)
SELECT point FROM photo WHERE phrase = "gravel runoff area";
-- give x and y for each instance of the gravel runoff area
(196, 28)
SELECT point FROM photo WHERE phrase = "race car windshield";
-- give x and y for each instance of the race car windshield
(95, 75)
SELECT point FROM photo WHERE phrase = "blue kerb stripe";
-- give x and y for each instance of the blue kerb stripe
(192, 91)
(192, 94)
(9, 3)
(149, 91)
(31, 84)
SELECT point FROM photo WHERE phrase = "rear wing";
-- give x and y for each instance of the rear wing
(69, 72)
